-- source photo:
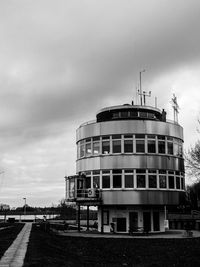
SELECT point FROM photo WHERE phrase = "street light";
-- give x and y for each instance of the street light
(24, 205)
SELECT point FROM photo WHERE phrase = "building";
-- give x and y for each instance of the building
(130, 165)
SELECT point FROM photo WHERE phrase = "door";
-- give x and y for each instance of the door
(156, 221)
(121, 224)
(147, 221)
(133, 221)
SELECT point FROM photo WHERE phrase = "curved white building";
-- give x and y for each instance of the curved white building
(129, 164)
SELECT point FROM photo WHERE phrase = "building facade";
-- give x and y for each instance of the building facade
(130, 165)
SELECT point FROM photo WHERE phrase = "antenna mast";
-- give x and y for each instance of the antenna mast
(175, 106)
(140, 90)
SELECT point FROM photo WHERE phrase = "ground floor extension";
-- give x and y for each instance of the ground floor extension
(125, 219)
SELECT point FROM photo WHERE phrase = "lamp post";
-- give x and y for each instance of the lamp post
(24, 206)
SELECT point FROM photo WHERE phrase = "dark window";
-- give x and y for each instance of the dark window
(117, 181)
(151, 146)
(182, 183)
(105, 147)
(140, 171)
(161, 137)
(129, 181)
(117, 171)
(140, 146)
(171, 182)
(121, 224)
(161, 147)
(115, 115)
(128, 146)
(151, 115)
(106, 171)
(96, 180)
(141, 183)
(88, 182)
(128, 136)
(170, 148)
(143, 114)
(162, 181)
(124, 114)
(133, 114)
(96, 138)
(117, 146)
(178, 182)
(116, 136)
(140, 136)
(105, 181)
(152, 181)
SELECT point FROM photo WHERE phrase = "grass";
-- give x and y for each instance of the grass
(8, 235)
(49, 250)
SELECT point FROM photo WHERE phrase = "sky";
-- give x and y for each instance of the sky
(62, 61)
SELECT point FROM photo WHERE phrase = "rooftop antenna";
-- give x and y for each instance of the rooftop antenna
(175, 106)
(140, 90)
(144, 96)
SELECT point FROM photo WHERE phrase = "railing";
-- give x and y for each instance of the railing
(87, 193)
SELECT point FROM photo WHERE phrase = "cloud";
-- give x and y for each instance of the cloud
(63, 61)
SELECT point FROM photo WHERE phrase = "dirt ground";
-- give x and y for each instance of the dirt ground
(49, 250)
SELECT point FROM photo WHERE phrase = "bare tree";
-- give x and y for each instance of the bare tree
(192, 158)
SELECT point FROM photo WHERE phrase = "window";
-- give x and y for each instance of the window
(105, 181)
(151, 144)
(117, 180)
(178, 185)
(143, 114)
(124, 114)
(116, 146)
(78, 150)
(96, 145)
(96, 148)
(161, 144)
(176, 150)
(171, 181)
(128, 146)
(88, 148)
(96, 181)
(140, 143)
(115, 115)
(105, 217)
(152, 181)
(88, 182)
(170, 145)
(162, 181)
(82, 149)
(182, 183)
(128, 180)
(133, 114)
(141, 181)
(105, 147)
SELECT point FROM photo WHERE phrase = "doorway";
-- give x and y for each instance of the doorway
(147, 221)
(133, 221)
(156, 221)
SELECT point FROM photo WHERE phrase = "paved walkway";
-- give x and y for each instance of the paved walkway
(167, 234)
(15, 254)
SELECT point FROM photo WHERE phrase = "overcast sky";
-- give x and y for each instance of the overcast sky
(61, 61)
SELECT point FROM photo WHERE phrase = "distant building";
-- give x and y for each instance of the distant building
(130, 165)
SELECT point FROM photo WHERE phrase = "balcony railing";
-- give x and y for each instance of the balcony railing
(90, 194)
